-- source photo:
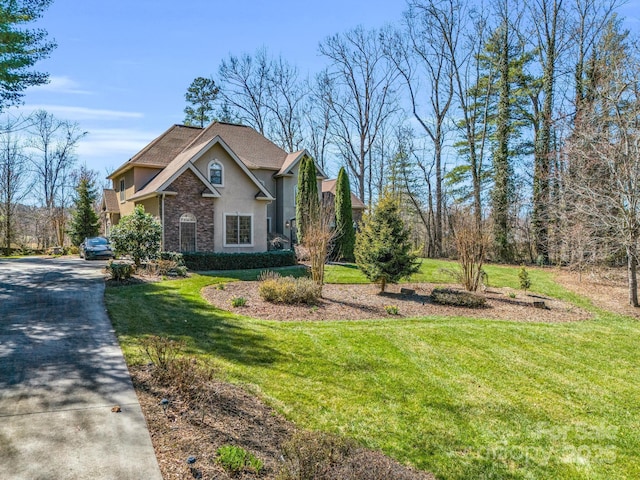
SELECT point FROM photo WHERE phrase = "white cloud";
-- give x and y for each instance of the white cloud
(118, 143)
(68, 112)
(62, 84)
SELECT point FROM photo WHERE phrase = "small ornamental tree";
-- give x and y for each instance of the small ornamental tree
(525, 280)
(85, 222)
(307, 200)
(345, 234)
(318, 240)
(471, 242)
(383, 248)
(137, 235)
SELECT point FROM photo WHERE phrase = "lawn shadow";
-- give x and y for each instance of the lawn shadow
(159, 309)
(414, 297)
(254, 274)
(351, 266)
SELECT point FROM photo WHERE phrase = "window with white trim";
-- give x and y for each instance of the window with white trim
(188, 233)
(122, 190)
(215, 173)
(238, 230)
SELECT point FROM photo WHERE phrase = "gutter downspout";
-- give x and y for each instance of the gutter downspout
(163, 244)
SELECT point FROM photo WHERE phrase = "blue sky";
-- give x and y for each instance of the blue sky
(122, 67)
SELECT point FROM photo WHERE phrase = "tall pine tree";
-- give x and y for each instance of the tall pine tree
(21, 48)
(346, 235)
(501, 113)
(200, 95)
(85, 222)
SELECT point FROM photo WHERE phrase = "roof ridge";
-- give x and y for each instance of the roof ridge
(153, 142)
(141, 154)
(213, 124)
(190, 144)
(195, 127)
(233, 124)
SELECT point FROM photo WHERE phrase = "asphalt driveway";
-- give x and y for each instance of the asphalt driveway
(61, 372)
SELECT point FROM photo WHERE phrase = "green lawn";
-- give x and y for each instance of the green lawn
(459, 397)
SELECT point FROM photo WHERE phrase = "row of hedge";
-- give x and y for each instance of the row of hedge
(236, 261)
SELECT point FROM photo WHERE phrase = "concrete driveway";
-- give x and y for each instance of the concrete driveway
(61, 372)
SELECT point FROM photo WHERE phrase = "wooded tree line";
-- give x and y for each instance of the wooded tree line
(38, 173)
(496, 112)
(38, 178)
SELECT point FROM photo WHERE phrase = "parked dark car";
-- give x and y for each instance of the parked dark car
(95, 247)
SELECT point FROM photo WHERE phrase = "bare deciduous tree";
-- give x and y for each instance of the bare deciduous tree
(362, 99)
(318, 118)
(548, 18)
(284, 102)
(318, 239)
(471, 246)
(14, 178)
(589, 20)
(54, 142)
(243, 87)
(265, 93)
(420, 55)
(604, 153)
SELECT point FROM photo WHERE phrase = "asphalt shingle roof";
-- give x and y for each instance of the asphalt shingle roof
(110, 199)
(162, 150)
(329, 186)
(250, 146)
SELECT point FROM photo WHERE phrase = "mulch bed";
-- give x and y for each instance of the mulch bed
(233, 417)
(359, 302)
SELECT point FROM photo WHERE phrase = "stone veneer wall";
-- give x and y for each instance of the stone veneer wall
(189, 199)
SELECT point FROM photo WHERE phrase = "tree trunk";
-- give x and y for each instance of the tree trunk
(438, 214)
(633, 280)
(501, 194)
(383, 284)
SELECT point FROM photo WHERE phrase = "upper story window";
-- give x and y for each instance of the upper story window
(122, 190)
(215, 173)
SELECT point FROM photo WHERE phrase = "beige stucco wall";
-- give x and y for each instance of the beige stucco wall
(126, 207)
(289, 185)
(237, 197)
(266, 176)
(134, 180)
(142, 175)
(151, 205)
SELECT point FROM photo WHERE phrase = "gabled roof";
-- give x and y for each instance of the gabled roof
(293, 159)
(185, 160)
(176, 149)
(329, 186)
(251, 147)
(110, 201)
(162, 150)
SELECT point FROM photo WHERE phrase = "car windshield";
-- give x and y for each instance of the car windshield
(97, 241)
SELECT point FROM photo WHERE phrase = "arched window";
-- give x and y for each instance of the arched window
(215, 173)
(188, 233)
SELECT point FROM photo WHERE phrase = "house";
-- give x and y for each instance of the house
(329, 195)
(223, 188)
